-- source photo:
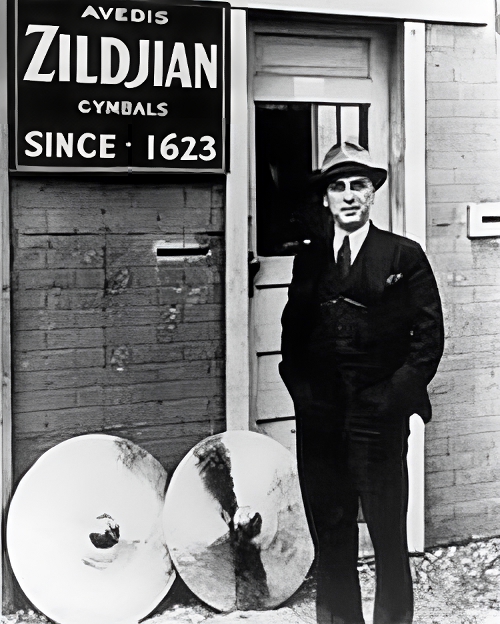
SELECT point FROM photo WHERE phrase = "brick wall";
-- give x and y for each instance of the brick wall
(463, 165)
(105, 337)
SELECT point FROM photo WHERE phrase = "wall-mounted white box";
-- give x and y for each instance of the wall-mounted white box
(483, 220)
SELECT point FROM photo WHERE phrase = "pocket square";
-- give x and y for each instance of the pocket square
(392, 279)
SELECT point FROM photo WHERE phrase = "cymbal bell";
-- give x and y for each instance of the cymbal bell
(235, 524)
(84, 532)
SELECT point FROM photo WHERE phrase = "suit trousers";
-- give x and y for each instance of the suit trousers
(352, 448)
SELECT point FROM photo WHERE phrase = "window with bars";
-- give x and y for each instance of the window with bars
(291, 141)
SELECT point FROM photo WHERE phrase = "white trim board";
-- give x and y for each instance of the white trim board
(237, 368)
(415, 228)
(414, 132)
(479, 12)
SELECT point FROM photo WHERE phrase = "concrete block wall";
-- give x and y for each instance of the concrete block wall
(463, 165)
(106, 337)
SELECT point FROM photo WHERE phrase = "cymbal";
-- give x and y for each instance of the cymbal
(84, 532)
(235, 524)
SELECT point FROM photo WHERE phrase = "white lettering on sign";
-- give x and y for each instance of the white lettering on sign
(142, 72)
(107, 44)
(103, 12)
(124, 108)
(64, 58)
(30, 140)
(80, 146)
(85, 145)
(178, 67)
(82, 55)
(121, 15)
(136, 15)
(209, 66)
(160, 17)
(91, 12)
(48, 34)
(64, 143)
(84, 106)
(105, 145)
(169, 149)
(158, 64)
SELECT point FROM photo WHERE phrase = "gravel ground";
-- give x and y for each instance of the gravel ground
(453, 585)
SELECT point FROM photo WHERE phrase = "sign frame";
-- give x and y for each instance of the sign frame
(17, 168)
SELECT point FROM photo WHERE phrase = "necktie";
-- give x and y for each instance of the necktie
(344, 258)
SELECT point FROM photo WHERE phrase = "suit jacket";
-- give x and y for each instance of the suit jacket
(399, 329)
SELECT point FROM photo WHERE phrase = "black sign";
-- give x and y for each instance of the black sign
(134, 85)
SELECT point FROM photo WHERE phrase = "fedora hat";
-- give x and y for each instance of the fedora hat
(345, 160)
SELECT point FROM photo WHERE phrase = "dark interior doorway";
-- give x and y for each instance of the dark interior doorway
(291, 140)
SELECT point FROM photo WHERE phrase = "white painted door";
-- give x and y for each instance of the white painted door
(311, 87)
(309, 91)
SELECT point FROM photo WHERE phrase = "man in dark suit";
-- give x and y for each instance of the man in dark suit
(362, 338)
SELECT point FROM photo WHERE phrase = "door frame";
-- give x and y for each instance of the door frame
(408, 199)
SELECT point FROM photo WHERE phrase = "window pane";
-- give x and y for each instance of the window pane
(338, 123)
(349, 123)
(283, 166)
(326, 131)
(292, 140)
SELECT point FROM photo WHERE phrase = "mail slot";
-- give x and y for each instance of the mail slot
(176, 251)
(483, 220)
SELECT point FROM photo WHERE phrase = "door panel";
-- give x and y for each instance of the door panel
(283, 431)
(329, 56)
(276, 271)
(271, 301)
(273, 399)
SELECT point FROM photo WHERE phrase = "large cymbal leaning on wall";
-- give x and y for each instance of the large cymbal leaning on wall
(235, 523)
(84, 532)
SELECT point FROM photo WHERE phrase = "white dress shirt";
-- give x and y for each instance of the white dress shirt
(356, 239)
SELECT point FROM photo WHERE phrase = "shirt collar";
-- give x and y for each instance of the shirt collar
(356, 239)
(356, 236)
